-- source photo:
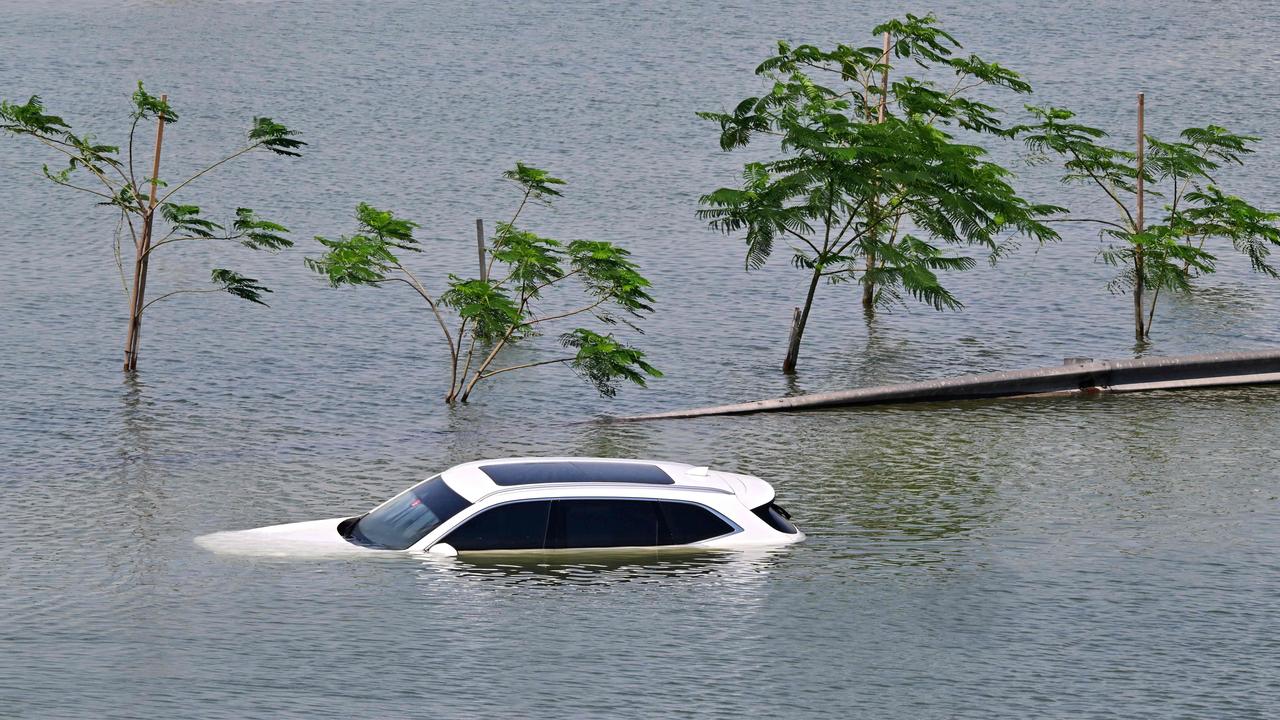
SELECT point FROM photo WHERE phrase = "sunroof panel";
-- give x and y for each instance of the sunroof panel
(570, 472)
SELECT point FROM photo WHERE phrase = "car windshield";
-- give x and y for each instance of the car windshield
(408, 517)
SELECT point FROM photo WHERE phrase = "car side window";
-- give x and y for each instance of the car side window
(684, 523)
(602, 523)
(514, 526)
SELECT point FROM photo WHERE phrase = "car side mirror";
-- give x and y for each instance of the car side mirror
(443, 550)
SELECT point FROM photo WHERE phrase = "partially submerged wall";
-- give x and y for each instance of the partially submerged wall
(1075, 376)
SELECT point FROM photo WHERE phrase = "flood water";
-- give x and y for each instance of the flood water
(1101, 557)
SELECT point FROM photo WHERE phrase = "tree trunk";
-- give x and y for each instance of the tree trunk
(1139, 328)
(1139, 268)
(136, 298)
(797, 330)
(793, 343)
(141, 260)
(869, 287)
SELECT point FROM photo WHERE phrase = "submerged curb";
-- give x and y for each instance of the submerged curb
(1076, 375)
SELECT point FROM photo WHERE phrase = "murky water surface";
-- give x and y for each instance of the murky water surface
(1106, 557)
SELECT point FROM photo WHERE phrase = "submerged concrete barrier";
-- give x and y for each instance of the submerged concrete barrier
(1074, 376)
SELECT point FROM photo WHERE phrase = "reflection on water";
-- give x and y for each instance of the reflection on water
(606, 567)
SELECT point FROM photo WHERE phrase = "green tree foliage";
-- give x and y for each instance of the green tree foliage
(1198, 217)
(505, 307)
(871, 185)
(112, 176)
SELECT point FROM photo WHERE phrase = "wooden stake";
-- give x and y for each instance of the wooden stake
(1138, 264)
(793, 344)
(484, 271)
(1142, 143)
(869, 288)
(884, 79)
(136, 301)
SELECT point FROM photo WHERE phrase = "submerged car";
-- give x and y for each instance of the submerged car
(547, 504)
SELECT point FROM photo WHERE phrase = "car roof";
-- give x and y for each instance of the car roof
(475, 480)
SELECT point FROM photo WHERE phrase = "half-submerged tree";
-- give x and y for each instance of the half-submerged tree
(1198, 216)
(504, 306)
(871, 185)
(137, 199)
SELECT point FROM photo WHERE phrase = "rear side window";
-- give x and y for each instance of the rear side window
(777, 518)
(515, 526)
(684, 523)
(602, 523)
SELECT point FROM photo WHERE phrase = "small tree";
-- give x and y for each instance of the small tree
(139, 198)
(1171, 253)
(501, 309)
(871, 184)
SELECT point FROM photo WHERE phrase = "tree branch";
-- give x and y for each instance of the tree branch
(1151, 316)
(492, 256)
(804, 240)
(954, 91)
(124, 284)
(1132, 223)
(133, 178)
(897, 225)
(1087, 220)
(66, 184)
(561, 316)
(484, 376)
(414, 283)
(488, 359)
(889, 210)
(493, 353)
(853, 215)
(831, 202)
(189, 180)
(471, 353)
(554, 281)
(178, 292)
(55, 145)
(168, 239)
(61, 146)
(1177, 195)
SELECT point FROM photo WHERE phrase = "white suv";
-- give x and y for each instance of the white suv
(544, 504)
